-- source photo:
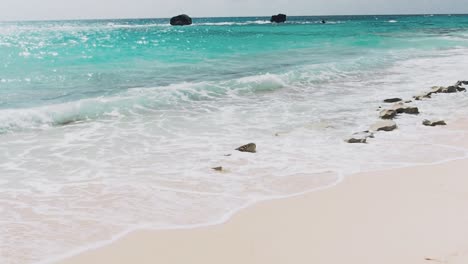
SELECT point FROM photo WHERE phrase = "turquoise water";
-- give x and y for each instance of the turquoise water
(46, 63)
(109, 125)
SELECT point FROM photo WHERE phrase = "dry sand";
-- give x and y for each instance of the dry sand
(401, 216)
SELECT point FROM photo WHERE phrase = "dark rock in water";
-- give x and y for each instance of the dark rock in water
(436, 89)
(461, 89)
(323, 22)
(460, 83)
(422, 96)
(251, 147)
(181, 20)
(450, 89)
(280, 18)
(354, 140)
(386, 125)
(401, 108)
(393, 100)
(218, 168)
(434, 123)
(388, 114)
(360, 137)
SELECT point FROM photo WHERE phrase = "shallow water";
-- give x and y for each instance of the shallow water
(110, 125)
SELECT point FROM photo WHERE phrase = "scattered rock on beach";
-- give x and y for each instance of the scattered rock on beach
(393, 100)
(251, 147)
(280, 18)
(388, 114)
(218, 168)
(449, 89)
(360, 137)
(385, 125)
(461, 89)
(436, 89)
(402, 108)
(181, 20)
(354, 140)
(434, 123)
(422, 96)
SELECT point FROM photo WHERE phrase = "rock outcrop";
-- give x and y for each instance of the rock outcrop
(386, 125)
(434, 123)
(181, 20)
(251, 147)
(280, 18)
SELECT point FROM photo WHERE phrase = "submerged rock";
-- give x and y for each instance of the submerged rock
(434, 123)
(251, 147)
(393, 100)
(280, 18)
(181, 20)
(386, 125)
(388, 114)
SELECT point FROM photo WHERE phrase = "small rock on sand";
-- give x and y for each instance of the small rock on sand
(434, 123)
(251, 147)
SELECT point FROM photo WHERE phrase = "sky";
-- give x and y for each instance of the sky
(90, 9)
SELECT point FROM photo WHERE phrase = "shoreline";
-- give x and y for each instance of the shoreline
(138, 242)
(106, 249)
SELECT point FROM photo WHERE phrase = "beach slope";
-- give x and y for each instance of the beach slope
(406, 216)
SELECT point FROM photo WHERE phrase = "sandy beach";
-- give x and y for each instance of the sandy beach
(407, 216)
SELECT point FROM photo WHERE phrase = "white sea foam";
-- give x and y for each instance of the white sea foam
(143, 158)
(254, 22)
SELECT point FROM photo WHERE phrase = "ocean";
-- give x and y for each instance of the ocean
(107, 126)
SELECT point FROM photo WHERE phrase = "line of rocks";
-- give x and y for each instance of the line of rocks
(400, 107)
(386, 124)
(185, 20)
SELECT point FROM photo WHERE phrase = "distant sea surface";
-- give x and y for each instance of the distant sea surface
(111, 125)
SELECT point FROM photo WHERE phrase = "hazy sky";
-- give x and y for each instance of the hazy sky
(77, 9)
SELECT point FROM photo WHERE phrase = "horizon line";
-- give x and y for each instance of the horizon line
(258, 16)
